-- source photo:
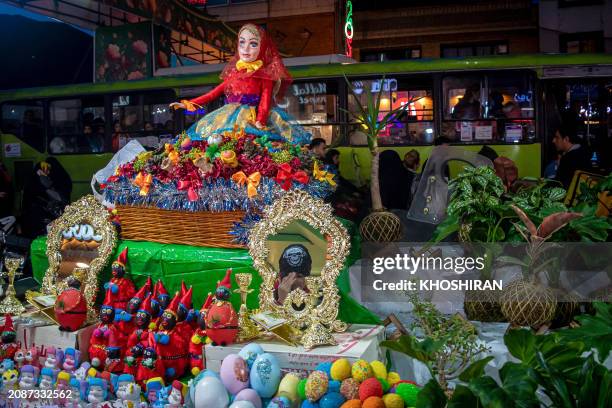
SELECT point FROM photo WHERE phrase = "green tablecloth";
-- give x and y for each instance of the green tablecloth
(202, 267)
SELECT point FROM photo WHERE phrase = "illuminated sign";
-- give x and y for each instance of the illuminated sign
(348, 29)
(522, 97)
(310, 92)
(197, 2)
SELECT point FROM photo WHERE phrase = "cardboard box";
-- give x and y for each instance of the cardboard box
(358, 342)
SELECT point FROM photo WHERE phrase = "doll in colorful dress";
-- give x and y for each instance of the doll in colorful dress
(122, 287)
(252, 80)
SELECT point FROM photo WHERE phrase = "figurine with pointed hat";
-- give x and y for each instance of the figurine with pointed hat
(101, 335)
(221, 318)
(71, 306)
(199, 339)
(184, 315)
(170, 344)
(139, 338)
(9, 337)
(159, 302)
(125, 319)
(150, 365)
(121, 286)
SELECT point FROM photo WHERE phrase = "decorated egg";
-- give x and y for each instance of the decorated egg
(371, 387)
(325, 367)
(316, 385)
(288, 387)
(209, 392)
(234, 373)
(250, 352)
(249, 395)
(373, 402)
(340, 369)
(408, 392)
(244, 404)
(361, 370)
(301, 389)
(332, 400)
(265, 375)
(393, 378)
(379, 369)
(393, 401)
(353, 403)
(279, 402)
(334, 386)
(350, 389)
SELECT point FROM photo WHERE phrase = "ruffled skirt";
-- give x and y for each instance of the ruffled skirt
(280, 127)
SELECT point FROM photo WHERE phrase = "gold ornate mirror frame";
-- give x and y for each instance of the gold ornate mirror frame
(86, 210)
(319, 319)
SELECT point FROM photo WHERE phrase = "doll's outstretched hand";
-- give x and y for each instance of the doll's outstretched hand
(258, 125)
(178, 105)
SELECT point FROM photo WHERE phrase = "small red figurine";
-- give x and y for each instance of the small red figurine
(184, 317)
(122, 287)
(71, 306)
(125, 319)
(139, 338)
(101, 335)
(9, 346)
(222, 319)
(170, 345)
(198, 340)
(159, 302)
(150, 365)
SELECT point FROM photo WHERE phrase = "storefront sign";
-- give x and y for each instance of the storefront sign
(348, 29)
(466, 131)
(514, 133)
(483, 132)
(12, 150)
(310, 93)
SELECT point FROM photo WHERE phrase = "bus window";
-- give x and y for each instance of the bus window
(145, 117)
(77, 125)
(496, 108)
(315, 106)
(25, 121)
(414, 128)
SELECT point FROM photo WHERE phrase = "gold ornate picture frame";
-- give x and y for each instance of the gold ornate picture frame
(89, 211)
(316, 315)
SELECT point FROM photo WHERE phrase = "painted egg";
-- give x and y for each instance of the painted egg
(331, 400)
(214, 139)
(288, 387)
(373, 402)
(316, 385)
(234, 373)
(361, 370)
(301, 389)
(250, 352)
(209, 392)
(325, 367)
(244, 404)
(379, 369)
(340, 369)
(353, 403)
(393, 401)
(350, 389)
(265, 375)
(393, 378)
(334, 386)
(279, 402)
(249, 395)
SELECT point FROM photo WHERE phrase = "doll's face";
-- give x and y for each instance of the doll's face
(137, 350)
(249, 45)
(45, 382)
(51, 361)
(27, 381)
(10, 377)
(31, 356)
(107, 314)
(69, 362)
(96, 394)
(142, 320)
(19, 356)
(168, 321)
(118, 270)
(133, 305)
(175, 397)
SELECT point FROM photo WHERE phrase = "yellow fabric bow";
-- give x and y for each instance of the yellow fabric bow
(144, 182)
(323, 175)
(251, 181)
(249, 66)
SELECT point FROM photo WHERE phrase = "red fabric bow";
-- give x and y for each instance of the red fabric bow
(188, 185)
(285, 176)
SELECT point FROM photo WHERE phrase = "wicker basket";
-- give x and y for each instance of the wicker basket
(199, 228)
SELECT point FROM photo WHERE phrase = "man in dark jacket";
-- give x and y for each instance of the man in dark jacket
(573, 155)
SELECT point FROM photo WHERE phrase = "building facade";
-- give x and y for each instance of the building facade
(572, 26)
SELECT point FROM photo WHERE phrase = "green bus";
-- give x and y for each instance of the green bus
(511, 103)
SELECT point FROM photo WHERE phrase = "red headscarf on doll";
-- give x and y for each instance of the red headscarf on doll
(272, 68)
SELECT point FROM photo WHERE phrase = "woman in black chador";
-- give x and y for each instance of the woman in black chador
(294, 266)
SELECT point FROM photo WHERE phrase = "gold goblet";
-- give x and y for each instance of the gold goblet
(247, 329)
(244, 281)
(10, 304)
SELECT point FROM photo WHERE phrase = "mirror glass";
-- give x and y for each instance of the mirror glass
(79, 248)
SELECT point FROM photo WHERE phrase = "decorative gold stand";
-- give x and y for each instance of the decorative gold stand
(247, 329)
(10, 304)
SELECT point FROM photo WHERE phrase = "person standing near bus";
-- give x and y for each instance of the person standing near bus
(574, 156)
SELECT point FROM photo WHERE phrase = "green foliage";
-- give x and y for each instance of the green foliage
(558, 369)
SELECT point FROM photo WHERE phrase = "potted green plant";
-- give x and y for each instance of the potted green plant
(380, 225)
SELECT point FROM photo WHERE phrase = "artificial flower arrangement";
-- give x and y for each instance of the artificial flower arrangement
(229, 172)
